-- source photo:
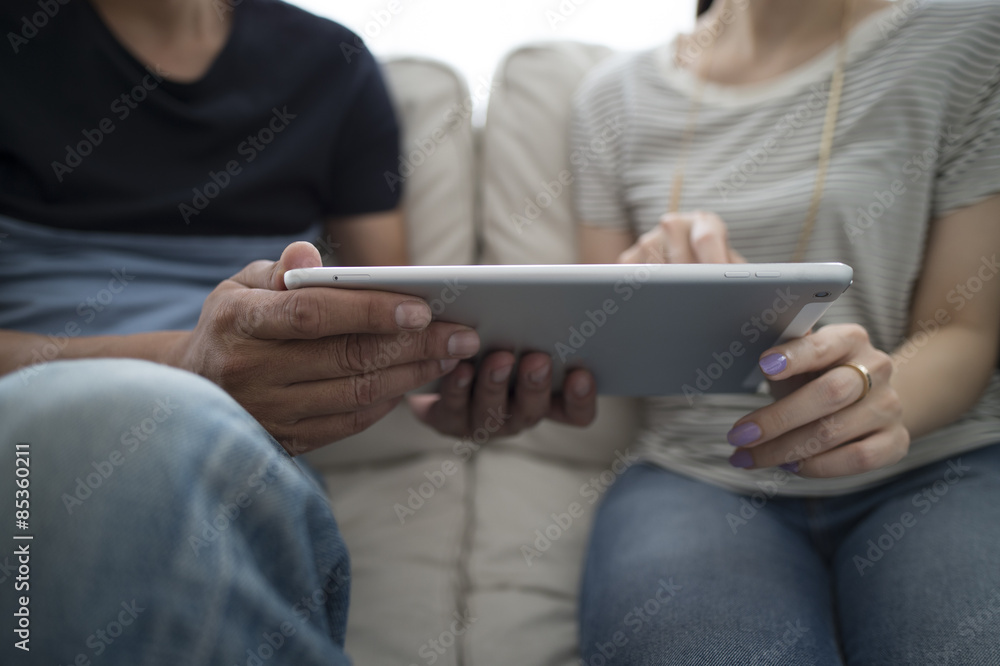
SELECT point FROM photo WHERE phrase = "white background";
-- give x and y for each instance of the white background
(473, 35)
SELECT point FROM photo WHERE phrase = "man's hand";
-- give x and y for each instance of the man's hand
(318, 364)
(471, 404)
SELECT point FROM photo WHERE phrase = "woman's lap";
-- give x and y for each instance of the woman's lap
(787, 580)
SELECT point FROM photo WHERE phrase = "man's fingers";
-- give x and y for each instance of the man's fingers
(271, 274)
(448, 411)
(309, 434)
(489, 397)
(532, 391)
(577, 404)
(358, 392)
(319, 312)
(341, 356)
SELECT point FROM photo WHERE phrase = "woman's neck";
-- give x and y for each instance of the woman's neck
(756, 40)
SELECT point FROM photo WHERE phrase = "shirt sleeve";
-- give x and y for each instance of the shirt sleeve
(969, 169)
(365, 168)
(595, 141)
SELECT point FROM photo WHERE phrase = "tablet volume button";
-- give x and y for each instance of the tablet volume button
(768, 274)
(738, 274)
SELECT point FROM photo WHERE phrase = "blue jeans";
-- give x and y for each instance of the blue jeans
(682, 572)
(168, 527)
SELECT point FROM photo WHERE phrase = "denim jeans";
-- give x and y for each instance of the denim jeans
(167, 526)
(682, 572)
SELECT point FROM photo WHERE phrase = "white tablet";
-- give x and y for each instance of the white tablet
(642, 329)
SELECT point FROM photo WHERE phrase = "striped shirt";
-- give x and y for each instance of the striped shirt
(918, 137)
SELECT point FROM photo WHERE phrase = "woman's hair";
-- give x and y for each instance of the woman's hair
(703, 6)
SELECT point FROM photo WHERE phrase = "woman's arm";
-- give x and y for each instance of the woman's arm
(822, 429)
(954, 336)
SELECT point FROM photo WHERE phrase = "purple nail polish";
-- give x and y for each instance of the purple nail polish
(745, 434)
(741, 459)
(792, 467)
(772, 364)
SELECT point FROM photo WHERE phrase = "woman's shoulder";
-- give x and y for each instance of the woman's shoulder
(936, 21)
(953, 45)
(619, 74)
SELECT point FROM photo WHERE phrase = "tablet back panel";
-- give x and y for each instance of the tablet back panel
(641, 329)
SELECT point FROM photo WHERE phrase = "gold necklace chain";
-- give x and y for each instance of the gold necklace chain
(825, 144)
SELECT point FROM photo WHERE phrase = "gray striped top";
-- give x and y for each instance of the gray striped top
(918, 137)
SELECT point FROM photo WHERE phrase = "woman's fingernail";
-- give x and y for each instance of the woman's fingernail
(449, 364)
(413, 315)
(463, 343)
(541, 375)
(741, 459)
(500, 375)
(744, 434)
(792, 467)
(772, 364)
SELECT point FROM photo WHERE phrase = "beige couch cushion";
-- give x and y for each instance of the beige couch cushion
(406, 577)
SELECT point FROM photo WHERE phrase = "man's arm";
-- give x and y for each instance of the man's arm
(374, 239)
(299, 361)
(24, 351)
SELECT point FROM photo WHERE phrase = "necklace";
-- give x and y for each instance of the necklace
(825, 144)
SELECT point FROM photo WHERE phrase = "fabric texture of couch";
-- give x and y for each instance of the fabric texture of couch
(469, 552)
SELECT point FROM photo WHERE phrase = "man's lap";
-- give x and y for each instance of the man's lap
(152, 490)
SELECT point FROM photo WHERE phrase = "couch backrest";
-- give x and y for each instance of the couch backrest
(437, 159)
(527, 215)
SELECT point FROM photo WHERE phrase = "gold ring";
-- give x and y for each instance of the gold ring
(866, 377)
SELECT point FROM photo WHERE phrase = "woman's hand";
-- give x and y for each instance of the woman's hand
(684, 238)
(827, 422)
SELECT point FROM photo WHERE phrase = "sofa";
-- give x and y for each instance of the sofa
(469, 552)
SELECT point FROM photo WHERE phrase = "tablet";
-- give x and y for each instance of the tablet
(641, 329)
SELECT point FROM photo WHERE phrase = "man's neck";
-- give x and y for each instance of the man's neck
(181, 37)
(166, 17)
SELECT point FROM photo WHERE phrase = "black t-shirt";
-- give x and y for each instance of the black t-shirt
(291, 125)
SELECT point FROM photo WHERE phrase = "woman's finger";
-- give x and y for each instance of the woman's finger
(708, 239)
(823, 349)
(811, 439)
(883, 448)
